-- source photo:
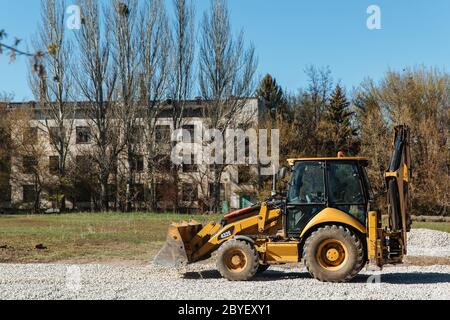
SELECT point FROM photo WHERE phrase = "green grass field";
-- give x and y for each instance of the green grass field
(440, 226)
(86, 237)
(99, 237)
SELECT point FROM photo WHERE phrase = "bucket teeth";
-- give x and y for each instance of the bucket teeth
(172, 254)
(176, 251)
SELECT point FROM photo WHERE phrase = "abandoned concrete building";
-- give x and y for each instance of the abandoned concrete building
(19, 190)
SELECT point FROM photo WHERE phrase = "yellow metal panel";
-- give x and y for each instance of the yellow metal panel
(372, 236)
(282, 252)
(210, 228)
(247, 226)
(391, 174)
(331, 215)
(262, 217)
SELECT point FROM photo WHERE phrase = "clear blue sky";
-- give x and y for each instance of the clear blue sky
(290, 34)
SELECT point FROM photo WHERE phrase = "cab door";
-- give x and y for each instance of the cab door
(306, 195)
(345, 188)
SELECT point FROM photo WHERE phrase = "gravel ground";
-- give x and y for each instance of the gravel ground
(202, 281)
(125, 282)
(424, 242)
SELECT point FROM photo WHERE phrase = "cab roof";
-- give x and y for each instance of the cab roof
(293, 161)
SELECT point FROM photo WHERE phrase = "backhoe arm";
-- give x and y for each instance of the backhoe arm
(388, 245)
(397, 178)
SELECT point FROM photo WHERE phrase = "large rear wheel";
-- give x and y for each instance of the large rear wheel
(237, 260)
(333, 254)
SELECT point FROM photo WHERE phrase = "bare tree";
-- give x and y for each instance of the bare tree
(154, 75)
(181, 74)
(6, 147)
(226, 78)
(418, 97)
(53, 89)
(182, 64)
(12, 50)
(122, 17)
(320, 83)
(96, 78)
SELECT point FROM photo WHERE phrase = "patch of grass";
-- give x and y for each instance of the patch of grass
(86, 237)
(439, 226)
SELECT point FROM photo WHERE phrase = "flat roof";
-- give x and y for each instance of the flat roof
(293, 161)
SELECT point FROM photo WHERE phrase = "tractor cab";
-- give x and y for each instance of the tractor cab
(318, 183)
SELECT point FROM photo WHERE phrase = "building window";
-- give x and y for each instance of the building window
(137, 163)
(83, 135)
(244, 174)
(29, 193)
(222, 191)
(189, 192)
(137, 134)
(54, 165)
(30, 136)
(29, 164)
(162, 134)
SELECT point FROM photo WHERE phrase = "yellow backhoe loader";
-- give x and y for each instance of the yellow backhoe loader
(325, 218)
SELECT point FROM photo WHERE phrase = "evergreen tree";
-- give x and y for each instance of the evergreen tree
(336, 128)
(273, 95)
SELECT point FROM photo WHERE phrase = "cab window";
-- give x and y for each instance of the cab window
(307, 185)
(345, 190)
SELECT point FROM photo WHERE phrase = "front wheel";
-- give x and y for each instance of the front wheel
(333, 254)
(237, 260)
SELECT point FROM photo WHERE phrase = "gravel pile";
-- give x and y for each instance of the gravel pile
(52, 281)
(425, 242)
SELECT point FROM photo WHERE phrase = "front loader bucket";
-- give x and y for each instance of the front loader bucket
(176, 251)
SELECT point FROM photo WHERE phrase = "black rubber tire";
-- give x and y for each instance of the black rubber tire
(262, 268)
(351, 266)
(251, 256)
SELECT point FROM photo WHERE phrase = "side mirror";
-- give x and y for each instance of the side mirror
(282, 173)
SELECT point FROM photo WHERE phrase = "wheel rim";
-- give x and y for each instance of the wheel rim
(332, 254)
(235, 260)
